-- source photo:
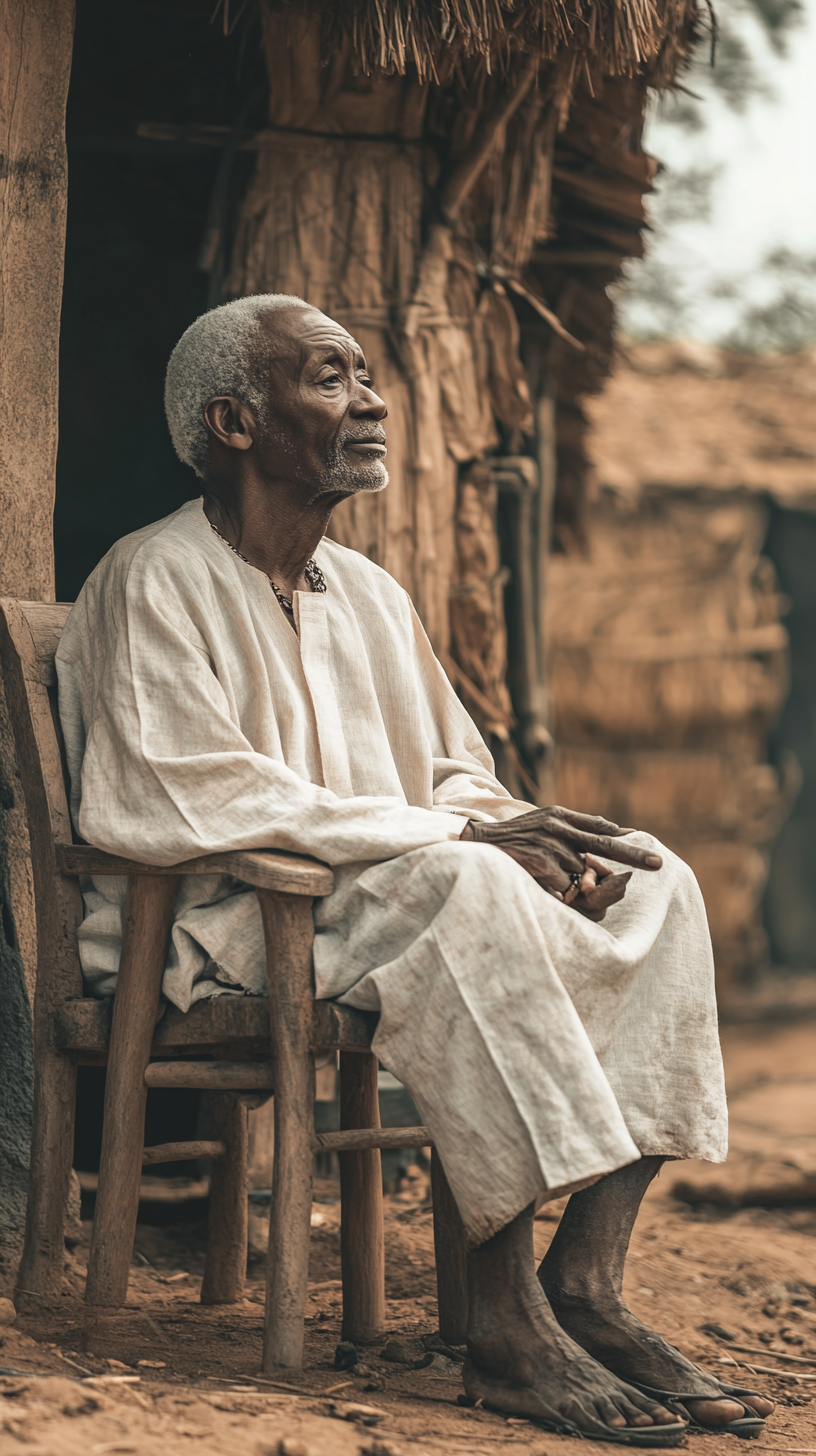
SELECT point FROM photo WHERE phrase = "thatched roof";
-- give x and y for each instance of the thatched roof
(688, 416)
(600, 37)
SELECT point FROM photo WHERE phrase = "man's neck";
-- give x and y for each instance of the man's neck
(274, 533)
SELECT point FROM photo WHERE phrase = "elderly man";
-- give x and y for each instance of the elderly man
(230, 678)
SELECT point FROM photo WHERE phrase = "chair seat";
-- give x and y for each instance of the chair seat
(220, 1026)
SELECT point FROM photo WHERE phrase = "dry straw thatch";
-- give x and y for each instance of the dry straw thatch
(593, 37)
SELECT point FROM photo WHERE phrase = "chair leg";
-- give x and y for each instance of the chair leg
(225, 1269)
(52, 1149)
(362, 1243)
(146, 926)
(289, 934)
(451, 1257)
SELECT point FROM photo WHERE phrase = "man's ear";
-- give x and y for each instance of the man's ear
(231, 422)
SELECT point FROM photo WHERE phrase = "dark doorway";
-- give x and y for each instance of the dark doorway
(137, 213)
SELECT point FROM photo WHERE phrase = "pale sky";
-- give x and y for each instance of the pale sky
(765, 196)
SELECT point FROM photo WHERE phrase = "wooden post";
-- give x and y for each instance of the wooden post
(451, 1257)
(289, 932)
(146, 926)
(35, 65)
(362, 1247)
(27, 640)
(546, 428)
(261, 1148)
(225, 1270)
(545, 418)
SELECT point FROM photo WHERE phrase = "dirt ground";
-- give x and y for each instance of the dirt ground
(169, 1375)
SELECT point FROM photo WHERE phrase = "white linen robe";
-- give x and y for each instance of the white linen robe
(540, 1049)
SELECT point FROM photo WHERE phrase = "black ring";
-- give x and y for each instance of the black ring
(576, 878)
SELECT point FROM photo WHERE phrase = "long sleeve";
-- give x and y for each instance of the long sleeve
(161, 768)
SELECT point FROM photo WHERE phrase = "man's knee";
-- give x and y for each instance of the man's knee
(684, 884)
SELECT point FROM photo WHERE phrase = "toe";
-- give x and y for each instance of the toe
(591, 1413)
(636, 1406)
(760, 1404)
(715, 1412)
(646, 1414)
(663, 1417)
(633, 1415)
(609, 1413)
(640, 1418)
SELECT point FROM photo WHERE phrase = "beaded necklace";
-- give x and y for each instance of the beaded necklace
(312, 573)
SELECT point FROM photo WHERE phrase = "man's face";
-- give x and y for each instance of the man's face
(324, 419)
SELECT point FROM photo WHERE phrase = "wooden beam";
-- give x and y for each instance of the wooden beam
(356, 1140)
(83, 1026)
(225, 1269)
(35, 66)
(182, 1152)
(266, 869)
(146, 921)
(289, 936)
(210, 1076)
(362, 1246)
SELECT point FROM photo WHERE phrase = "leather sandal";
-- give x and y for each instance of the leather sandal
(740, 1390)
(596, 1430)
(748, 1426)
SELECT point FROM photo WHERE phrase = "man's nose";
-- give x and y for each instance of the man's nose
(367, 405)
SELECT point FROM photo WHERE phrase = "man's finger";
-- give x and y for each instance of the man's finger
(548, 862)
(572, 893)
(589, 880)
(609, 891)
(584, 886)
(595, 905)
(593, 823)
(641, 859)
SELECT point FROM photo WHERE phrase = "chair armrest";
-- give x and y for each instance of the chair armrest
(291, 874)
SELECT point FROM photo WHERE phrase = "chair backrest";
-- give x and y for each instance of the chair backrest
(29, 637)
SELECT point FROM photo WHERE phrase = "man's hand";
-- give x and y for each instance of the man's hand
(553, 845)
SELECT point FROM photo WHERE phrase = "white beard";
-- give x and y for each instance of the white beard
(339, 474)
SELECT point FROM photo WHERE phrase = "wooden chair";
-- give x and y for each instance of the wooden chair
(233, 1047)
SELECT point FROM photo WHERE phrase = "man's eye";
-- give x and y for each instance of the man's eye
(330, 379)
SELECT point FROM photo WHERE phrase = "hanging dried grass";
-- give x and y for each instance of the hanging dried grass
(610, 37)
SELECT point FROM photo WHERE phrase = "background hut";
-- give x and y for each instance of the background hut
(670, 660)
(458, 182)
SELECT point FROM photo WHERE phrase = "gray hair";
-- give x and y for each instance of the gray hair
(219, 354)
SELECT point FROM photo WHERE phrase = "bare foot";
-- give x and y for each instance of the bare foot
(582, 1277)
(521, 1360)
(622, 1343)
(534, 1369)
